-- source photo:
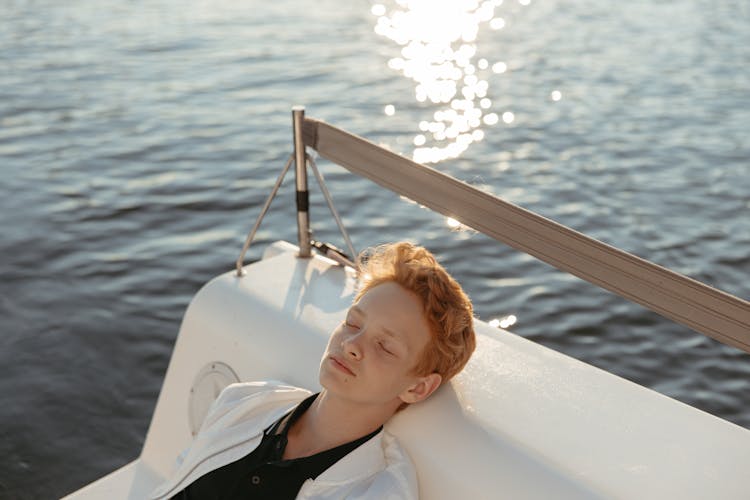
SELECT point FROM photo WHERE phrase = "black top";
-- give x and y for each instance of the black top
(263, 474)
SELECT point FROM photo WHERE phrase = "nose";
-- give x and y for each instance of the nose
(352, 346)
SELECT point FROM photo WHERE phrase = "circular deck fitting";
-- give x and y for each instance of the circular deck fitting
(207, 386)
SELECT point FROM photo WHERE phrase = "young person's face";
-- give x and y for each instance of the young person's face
(371, 354)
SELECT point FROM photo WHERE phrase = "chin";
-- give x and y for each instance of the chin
(328, 380)
(323, 381)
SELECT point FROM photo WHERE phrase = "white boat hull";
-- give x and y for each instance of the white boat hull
(521, 422)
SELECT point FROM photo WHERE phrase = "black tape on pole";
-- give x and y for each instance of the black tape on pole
(303, 201)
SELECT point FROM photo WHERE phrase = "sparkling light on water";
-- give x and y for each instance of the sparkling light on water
(452, 223)
(438, 52)
(504, 323)
(497, 23)
(499, 67)
(378, 9)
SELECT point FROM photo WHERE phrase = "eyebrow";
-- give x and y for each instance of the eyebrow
(385, 330)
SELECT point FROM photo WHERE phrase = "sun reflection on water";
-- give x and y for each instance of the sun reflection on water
(504, 322)
(438, 51)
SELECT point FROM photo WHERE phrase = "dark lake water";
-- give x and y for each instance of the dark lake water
(139, 139)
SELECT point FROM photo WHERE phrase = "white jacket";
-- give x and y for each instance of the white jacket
(378, 469)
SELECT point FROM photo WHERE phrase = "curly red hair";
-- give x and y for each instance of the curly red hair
(447, 308)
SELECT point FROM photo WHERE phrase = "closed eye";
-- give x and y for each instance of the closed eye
(382, 346)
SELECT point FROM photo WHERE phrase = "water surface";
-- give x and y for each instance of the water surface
(138, 141)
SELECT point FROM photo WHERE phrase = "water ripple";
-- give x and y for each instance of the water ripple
(138, 143)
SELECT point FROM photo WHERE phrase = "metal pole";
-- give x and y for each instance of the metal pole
(303, 204)
(241, 259)
(335, 213)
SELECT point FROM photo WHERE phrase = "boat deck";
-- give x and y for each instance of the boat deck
(522, 421)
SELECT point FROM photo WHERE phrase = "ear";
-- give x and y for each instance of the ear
(421, 389)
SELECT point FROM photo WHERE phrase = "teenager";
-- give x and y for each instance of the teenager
(409, 330)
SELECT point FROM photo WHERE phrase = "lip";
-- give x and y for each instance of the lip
(339, 363)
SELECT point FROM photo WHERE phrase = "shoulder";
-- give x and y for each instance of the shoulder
(244, 396)
(398, 479)
(231, 429)
(379, 469)
(264, 388)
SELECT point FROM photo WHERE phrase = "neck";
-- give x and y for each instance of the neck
(332, 421)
